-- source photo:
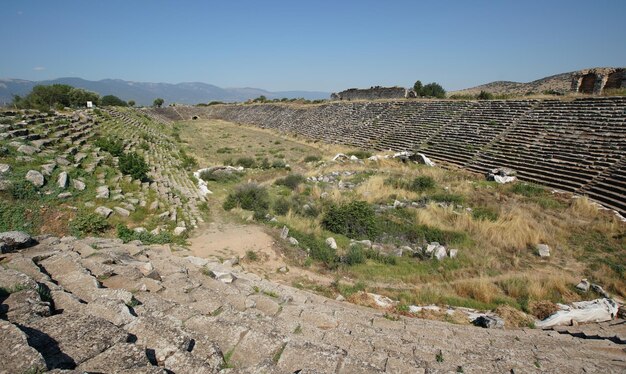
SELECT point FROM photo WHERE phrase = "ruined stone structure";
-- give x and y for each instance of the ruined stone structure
(577, 146)
(101, 306)
(596, 81)
(373, 93)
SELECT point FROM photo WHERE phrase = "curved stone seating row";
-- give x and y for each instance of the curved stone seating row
(571, 145)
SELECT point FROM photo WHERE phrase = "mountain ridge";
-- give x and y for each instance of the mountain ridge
(143, 93)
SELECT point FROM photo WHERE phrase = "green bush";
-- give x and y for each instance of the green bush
(447, 197)
(485, 214)
(114, 146)
(248, 196)
(355, 255)
(112, 100)
(279, 164)
(128, 235)
(281, 206)
(312, 158)
(422, 183)
(527, 189)
(88, 223)
(356, 220)
(219, 176)
(360, 154)
(419, 184)
(246, 162)
(23, 190)
(423, 233)
(318, 249)
(187, 162)
(374, 255)
(484, 95)
(13, 215)
(292, 181)
(134, 165)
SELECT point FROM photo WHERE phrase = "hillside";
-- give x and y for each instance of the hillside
(560, 82)
(145, 92)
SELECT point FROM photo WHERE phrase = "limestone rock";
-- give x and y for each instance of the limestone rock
(64, 195)
(17, 355)
(13, 240)
(121, 211)
(292, 240)
(440, 252)
(78, 185)
(63, 180)
(104, 211)
(489, 322)
(583, 286)
(35, 177)
(102, 192)
(4, 168)
(65, 340)
(47, 169)
(284, 233)
(178, 231)
(331, 243)
(120, 357)
(453, 253)
(543, 250)
(27, 149)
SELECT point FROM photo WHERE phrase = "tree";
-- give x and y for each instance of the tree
(484, 95)
(434, 90)
(158, 102)
(112, 100)
(417, 87)
(57, 95)
(131, 102)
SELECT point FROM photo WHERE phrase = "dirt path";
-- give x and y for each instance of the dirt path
(226, 240)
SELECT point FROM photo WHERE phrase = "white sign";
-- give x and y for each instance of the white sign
(89, 104)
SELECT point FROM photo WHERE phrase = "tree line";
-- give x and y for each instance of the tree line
(59, 96)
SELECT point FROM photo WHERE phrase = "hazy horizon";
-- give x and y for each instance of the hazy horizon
(322, 46)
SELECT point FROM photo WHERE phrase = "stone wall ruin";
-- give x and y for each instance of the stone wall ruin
(597, 81)
(373, 93)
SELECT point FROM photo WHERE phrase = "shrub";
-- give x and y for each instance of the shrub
(312, 158)
(292, 181)
(355, 255)
(88, 223)
(114, 146)
(145, 237)
(248, 196)
(484, 213)
(527, 189)
(219, 176)
(23, 190)
(360, 154)
(356, 219)
(187, 162)
(252, 255)
(134, 165)
(224, 150)
(382, 258)
(447, 197)
(424, 233)
(484, 95)
(422, 183)
(111, 100)
(246, 162)
(317, 247)
(281, 206)
(279, 164)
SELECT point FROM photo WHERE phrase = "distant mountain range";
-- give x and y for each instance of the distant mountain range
(144, 93)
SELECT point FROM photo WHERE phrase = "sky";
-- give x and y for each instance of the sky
(309, 45)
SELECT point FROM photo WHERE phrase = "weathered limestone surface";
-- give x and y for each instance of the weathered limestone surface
(185, 321)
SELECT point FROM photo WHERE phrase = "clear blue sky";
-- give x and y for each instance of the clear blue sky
(309, 45)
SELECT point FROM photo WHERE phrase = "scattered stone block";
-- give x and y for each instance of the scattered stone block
(64, 195)
(63, 180)
(104, 211)
(331, 243)
(5, 168)
(583, 286)
(292, 240)
(284, 233)
(12, 240)
(543, 250)
(35, 177)
(178, 231)
(27, 149)
(102, 192)
(121, 211)
(78, 185)
(47, 169)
